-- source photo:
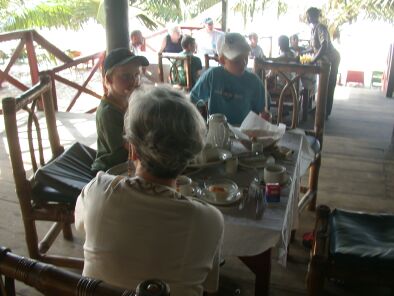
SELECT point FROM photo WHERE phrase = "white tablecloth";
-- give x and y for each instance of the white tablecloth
(245, 235)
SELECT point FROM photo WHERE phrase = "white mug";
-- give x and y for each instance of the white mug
(274, 173)
(184, 185)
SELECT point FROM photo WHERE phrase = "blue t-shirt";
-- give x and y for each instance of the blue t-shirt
(233, 96)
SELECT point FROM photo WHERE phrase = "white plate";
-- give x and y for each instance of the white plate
(256, 162)
(222, 156)
(121, 169)
(210, 198)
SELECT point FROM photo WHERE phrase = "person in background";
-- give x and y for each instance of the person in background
(121, 77)
(138, 228)
(189, 47)
(324, 51)
(256, 51)
(172, 41)
(294, 45)
(284, 47)
(230, 89)
(207, 38)
(137, 42)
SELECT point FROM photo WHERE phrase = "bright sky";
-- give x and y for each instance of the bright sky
(364, 45)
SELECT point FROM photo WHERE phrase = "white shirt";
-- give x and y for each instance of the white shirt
(136, 230)
(207, 41)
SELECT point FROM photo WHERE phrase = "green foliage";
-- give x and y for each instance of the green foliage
(69, 14)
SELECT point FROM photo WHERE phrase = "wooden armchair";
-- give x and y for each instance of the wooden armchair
(47, 190)
(50, 280)
(353, 247)
(179, 72)
(315, 136)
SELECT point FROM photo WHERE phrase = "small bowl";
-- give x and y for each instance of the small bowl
(221, 189)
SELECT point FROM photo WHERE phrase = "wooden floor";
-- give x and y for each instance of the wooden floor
(357, 173)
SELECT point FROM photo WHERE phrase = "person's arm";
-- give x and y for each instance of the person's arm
(323, 36)
(80, 208)
(163, 44)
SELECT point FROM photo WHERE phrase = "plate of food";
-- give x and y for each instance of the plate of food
(210, 156)
(220, 192)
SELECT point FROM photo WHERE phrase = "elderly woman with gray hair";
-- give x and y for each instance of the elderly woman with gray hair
(172, 42)
(140, 227)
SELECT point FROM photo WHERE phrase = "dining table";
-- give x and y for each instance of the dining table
(253, 231)
(251, 236)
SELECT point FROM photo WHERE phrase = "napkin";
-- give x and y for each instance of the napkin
(257, 127)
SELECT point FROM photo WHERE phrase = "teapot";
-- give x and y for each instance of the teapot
(218, 131)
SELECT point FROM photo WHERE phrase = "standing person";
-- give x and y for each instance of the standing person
(172, 41)
(207, 38)
(140, 227)
(256, 51)
(121, 78)
(324, 51)
(230, 89)
(137, 42)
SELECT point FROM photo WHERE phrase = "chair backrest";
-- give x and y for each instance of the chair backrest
(208, 58)
(31, 132)
(180, 70)
(283, 86)
(322, 70)
(51, 280)
(13, 108)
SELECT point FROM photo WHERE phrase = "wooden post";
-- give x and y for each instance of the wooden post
(117, 24)
(224, 15)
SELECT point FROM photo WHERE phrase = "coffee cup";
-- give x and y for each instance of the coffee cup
(184, 185)
(274, 173)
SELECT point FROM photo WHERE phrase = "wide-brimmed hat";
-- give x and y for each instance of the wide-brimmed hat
(232, 45)
(123, 56)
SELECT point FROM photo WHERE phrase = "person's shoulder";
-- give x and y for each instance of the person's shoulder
(207, 211)
(101, 183)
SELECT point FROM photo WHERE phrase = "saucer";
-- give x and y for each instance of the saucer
(255, 162)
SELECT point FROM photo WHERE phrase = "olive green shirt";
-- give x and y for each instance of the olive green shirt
(110, 142)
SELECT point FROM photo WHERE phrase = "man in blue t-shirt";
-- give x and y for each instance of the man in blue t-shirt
(229, 89)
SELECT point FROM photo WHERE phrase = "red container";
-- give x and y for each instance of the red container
(272, 192)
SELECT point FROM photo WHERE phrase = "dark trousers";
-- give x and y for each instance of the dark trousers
(332, 82)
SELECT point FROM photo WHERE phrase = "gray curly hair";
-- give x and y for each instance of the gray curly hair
(165, 128)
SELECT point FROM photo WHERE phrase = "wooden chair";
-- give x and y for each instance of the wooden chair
(315, 136)
(176, 60)
(208, 58)
(50, 280)
(48, 190)
(354, 247)
(283, 87)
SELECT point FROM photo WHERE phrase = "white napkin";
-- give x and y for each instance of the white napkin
(257, 127)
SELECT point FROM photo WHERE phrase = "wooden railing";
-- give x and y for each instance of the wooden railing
(27, 40)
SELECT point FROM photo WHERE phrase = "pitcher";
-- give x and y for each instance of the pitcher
(218, 131)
